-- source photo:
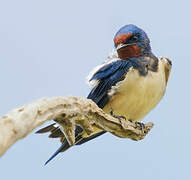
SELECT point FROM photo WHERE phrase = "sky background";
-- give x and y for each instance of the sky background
(47, 48)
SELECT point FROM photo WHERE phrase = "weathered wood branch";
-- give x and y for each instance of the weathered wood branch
(67, 111)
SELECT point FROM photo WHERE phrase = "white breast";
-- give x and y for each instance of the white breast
(136, 95)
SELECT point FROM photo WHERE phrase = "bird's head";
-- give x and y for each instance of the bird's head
(131, 41)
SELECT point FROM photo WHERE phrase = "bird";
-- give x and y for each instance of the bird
(129, 84)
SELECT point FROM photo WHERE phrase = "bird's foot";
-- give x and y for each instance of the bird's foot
(117, 116)
(140, 125)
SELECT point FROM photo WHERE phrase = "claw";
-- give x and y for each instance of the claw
(140, 125)
(111, 112)
(117, 116)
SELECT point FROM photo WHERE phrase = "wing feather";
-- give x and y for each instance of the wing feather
(108, 76)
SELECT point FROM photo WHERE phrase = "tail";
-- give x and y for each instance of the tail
(57, 133)
(65, 146)
(62, 148)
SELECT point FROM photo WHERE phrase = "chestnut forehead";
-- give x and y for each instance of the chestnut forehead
(122, 38)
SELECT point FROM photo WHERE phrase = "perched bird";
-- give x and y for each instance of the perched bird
(130, 83)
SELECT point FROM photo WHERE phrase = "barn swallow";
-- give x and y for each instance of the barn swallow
(130, 83)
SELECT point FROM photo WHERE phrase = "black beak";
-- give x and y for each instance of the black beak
(120, 46)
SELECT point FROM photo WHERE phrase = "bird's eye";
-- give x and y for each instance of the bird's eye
(134, 38)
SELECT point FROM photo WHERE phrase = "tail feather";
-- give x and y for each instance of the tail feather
(65, 145)
(46, 129)
(62, 148)
(84, 140)
(55, 132)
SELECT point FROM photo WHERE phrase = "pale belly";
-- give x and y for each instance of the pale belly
(137, 95)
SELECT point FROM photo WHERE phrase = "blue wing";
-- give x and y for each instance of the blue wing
(108, 76)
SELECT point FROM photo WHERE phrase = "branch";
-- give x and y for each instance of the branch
(68, 112)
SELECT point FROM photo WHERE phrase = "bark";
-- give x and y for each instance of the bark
(68, 112)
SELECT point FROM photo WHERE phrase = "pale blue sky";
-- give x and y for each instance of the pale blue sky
(47, 48)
